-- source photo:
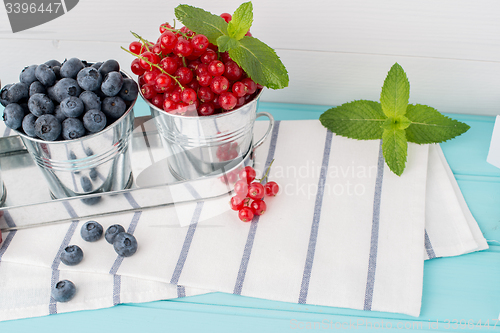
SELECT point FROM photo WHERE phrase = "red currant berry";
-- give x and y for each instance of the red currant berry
(158, 50)
(150, 76)
(202, 69)
(236, 203)
(216, 68)
(245, 214)
(271, 189)
(256, 191)
(226, 16)
(168, 40)
(188, 96)
(251, 86)
(193, 64)
(150, 57)
(157, 101)
(168, 105)
(239, 89)
(204, 79)
(184, 75)
(183, 48)
(241, 188)
(169, 65)
(135, 47)
(225, 57)
(141, 80)
(206, 109)
(233, 72)
(249, 34)
(258, 206)
(205, 94)
(148, 91)
(208, 56)
(200, 42)
(194, 85)
(248, 174)
(175, 95)
(219, 84)
(163, 83)
(227, 100)
(163, 27)
(136, 67)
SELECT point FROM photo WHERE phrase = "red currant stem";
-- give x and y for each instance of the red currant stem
(154, 65)
(184, 61)
(267, 172)
(178, 32)
(145, 42)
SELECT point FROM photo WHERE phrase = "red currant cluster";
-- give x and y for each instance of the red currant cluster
(183, 71)
(249, 198)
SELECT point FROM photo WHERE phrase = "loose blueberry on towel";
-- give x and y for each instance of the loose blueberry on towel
(112, 231)
(63, 291)
(91, 231)
(71, 255)
(125, 244)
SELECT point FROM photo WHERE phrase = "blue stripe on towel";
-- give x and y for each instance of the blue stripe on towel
(428, 247)
(306, 276)
(253, 225)
(372, 261)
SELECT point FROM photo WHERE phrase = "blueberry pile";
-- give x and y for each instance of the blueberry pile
(124, 244)
(55, 101)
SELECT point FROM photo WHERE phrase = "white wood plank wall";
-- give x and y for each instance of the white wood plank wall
(335, 50)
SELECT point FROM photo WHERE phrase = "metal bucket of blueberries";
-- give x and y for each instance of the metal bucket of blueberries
(76, 121)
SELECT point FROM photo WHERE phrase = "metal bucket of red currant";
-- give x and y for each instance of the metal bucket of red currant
(77, 125)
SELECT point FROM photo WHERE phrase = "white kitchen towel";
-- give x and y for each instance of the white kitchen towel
(345, 231)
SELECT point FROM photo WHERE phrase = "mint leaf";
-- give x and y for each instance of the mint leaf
(260, 62)
(428, 125)
(360, 120)
(398, 122)
(395, 92)
(394, 148)
(226, 43)
(202, 22)
(241, 21)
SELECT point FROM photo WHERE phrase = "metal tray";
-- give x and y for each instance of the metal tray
(29, 201)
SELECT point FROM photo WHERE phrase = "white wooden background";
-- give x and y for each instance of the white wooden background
(335, 50)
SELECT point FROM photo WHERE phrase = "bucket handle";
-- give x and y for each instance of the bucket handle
(269, 129)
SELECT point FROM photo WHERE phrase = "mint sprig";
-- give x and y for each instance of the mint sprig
(393, 120)
(257, 59)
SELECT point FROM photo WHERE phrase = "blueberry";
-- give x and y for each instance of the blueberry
(89, 78)
(94, 120)
(37, 88)
(63, 291)
(113, 107)
(59, 114)
(13, 115)
(72, 128)
(52, 63)
(40, 104)
(112, 84)
(27, 75)
(125, 244)
(47, 127)
(90, 100)
(64, 88)
(71, 255)
(86, 184)
(97, 65)
(3, 94)
(17, 92)
(46, 75)
(112, 231)
(93, 174)
(57, 72)
(29, 124)
(72, 106)
(91, 231)
(110, 65)
(71, 67)
(129, 90)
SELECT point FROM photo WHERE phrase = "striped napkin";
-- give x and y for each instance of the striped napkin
(344, 232)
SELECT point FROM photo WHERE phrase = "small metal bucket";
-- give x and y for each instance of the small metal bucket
(91, 164)
(3, 191)
(208, 145)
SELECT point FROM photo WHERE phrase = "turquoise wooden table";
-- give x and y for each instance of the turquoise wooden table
(460, 293)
